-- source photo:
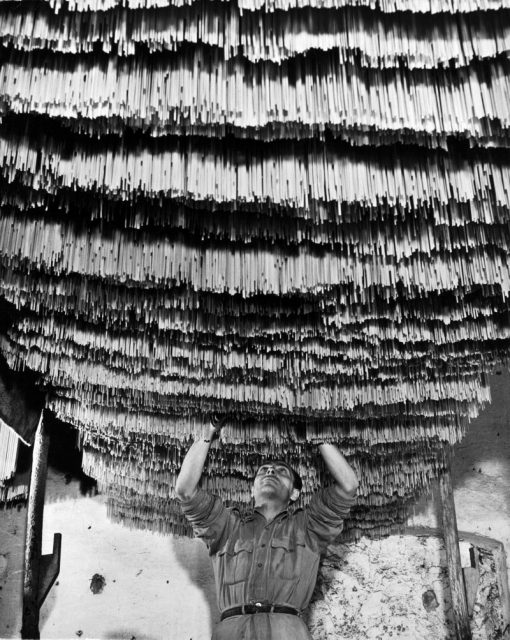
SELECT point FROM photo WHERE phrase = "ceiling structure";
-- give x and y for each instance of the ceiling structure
(295, 214)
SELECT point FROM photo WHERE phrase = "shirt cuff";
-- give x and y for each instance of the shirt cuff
(198, 507)
(337, 502)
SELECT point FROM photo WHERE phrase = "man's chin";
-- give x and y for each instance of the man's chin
(270, 490)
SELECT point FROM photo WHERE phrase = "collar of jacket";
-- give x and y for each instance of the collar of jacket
(250, 515)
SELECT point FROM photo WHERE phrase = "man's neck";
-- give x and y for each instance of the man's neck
(271, 509)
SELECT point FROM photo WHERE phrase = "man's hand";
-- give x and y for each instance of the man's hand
(216, 424)
(193, 463)
(217, 421)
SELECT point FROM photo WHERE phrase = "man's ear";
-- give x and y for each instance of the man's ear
(294, 495)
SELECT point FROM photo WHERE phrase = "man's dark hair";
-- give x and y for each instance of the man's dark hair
(298, 483)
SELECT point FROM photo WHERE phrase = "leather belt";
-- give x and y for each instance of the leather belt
(258, 607)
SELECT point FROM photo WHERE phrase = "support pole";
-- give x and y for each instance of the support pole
(451, 539)
(33, 544)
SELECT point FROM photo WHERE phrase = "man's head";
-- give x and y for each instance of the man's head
(276, 480)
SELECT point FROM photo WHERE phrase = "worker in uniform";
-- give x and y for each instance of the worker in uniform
(265, 563)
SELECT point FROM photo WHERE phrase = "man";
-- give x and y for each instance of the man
(265, 564)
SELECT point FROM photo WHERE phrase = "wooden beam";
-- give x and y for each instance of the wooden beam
(451, 539)
(30, 616)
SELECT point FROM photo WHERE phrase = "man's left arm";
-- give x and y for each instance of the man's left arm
(346, 482)
(328, 508)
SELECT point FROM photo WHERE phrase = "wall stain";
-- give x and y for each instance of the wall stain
(97, 583)
(429, 600)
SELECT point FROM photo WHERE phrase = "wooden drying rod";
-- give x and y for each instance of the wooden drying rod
(40, 571)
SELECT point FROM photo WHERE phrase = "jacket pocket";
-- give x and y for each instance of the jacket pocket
(235, 561)
(287, 556)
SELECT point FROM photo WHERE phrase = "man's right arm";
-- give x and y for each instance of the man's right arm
(206, 513)
(193, 466)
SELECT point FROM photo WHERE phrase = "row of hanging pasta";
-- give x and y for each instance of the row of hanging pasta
(113, 307)
(155, 423)
(108, 430)
(99, 384)
(382, 480)
(298, 369)
(293, 175)
(488, 134)
(466, 362)
(268, 438)
(122, 257)
(113, 304)
(385, 471)
(316, 403)
(249, 346)
(387, 6)
(413, 235)
(361, 35)
(316, 89)
(137, 209)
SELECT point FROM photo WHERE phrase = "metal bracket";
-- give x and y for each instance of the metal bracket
(49, 569)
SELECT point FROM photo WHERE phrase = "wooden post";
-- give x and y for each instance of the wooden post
(33, 544)
(451, 539)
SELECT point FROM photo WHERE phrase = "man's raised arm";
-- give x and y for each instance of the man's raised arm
(193, 465)
(346, 482)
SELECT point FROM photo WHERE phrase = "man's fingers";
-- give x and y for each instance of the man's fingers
(217, 421)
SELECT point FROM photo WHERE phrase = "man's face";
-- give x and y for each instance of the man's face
(274, 481)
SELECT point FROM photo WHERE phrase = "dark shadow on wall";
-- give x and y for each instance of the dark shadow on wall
(481, 461)
(64, 461)
(193, 557)
(484, 453)
(65, 456)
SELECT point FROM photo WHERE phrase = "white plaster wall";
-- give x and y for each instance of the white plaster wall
(155, 586)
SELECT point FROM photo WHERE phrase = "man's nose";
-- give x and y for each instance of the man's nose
(270, 470)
